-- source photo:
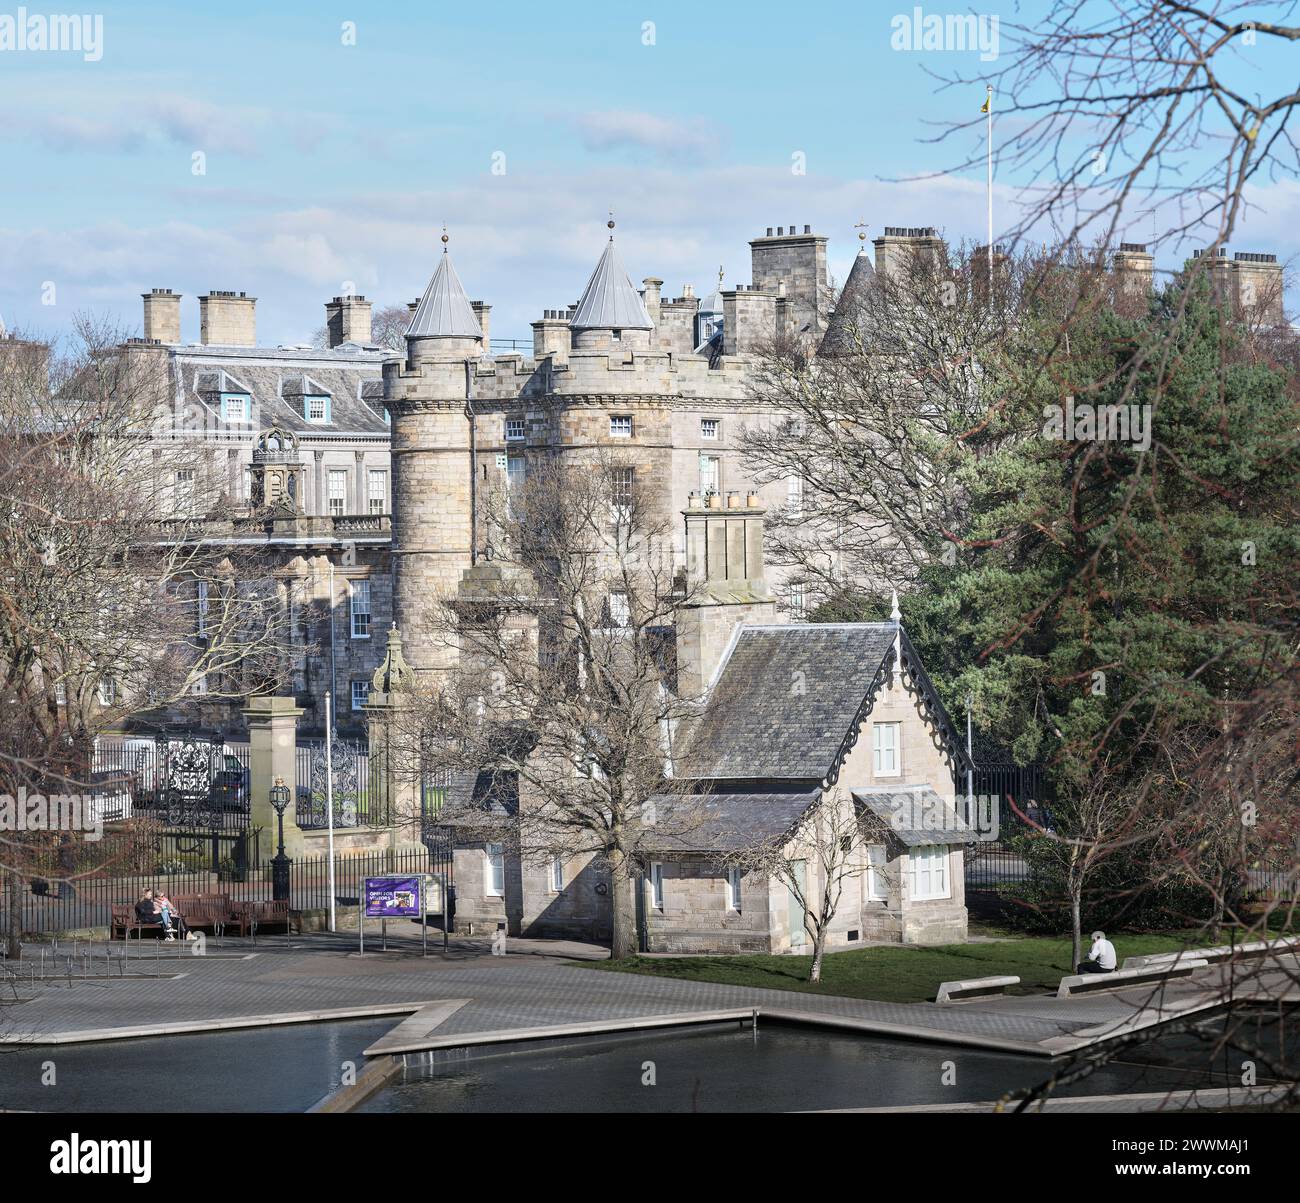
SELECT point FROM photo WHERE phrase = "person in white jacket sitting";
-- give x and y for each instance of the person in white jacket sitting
(1101, 957)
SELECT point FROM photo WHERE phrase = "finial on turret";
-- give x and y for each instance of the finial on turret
(609, 225)
(720, 275)
(861, 228)
(895, 615)
(445, 239)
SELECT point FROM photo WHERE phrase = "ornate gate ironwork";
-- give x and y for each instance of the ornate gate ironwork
(347, 787)
(189, 795)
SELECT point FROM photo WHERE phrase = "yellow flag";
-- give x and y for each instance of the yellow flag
(988, 100)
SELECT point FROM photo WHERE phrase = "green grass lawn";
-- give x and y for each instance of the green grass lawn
(898, 973)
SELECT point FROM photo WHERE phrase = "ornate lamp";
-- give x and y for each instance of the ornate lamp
(280, 863)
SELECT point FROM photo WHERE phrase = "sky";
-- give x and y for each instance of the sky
(319, 148)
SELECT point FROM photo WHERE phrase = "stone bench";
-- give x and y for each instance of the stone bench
(1216, 956)
(1093, 983)
(975, 987)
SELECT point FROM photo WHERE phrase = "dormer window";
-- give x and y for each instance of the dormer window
(235, 407)
(316, 407)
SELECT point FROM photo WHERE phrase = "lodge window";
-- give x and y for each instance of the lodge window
(797, 600)
(886, 737)
(201, 608)
(620, 610)
(360, 603)
(557, 874)
(927, 872)
(360, 694)
(794, 494)
(657, 886)
(877, 891)
(495, 880)
(183, 496)
(733, 888)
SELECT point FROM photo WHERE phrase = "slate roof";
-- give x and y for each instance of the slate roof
(277, 382)
(609, 302)
(481, 798)
(786, 699)
(724, 822)
(444, 311)
(844, 330)
(916, 814)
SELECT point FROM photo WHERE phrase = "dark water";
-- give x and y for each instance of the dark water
(784, 1069)
(260, 1069)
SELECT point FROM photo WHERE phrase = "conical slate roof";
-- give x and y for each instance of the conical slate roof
(609, 301)
(444, 311)
(850, 313)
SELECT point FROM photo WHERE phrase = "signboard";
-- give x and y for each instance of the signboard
(393, 897)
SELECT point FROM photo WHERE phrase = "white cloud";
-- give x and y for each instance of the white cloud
(670, 139)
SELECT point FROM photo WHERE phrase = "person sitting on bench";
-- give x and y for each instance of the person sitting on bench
(170, 915)
(148, 911)
(1101, 957)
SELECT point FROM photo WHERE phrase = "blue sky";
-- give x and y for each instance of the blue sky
(328, 163)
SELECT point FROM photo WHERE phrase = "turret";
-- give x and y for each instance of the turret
(610, 314)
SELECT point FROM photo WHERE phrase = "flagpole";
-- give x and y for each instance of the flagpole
(989, 139)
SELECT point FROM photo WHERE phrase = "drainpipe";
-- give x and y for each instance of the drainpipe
(473, 462)
(970, 763)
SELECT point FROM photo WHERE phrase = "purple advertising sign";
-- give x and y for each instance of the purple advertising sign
(392, 897)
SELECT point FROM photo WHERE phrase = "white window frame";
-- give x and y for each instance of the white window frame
(620, 611)
(230, 399)
(360, 694)
(877, 860)
(333, 475)
(620, 426)
(107, 691)
(516, 429)
(797, 600)
(887, 755)
(494, 868)
(711, 429)
(376, 498)
(184, 492)
(201, 607)
(308, 406)
(794, 494)
(733, 888)
(927, 873)
(557, 875)
(707, 489)
(359, 611)
(657, 885)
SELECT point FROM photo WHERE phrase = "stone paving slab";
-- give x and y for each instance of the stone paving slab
(516, 994)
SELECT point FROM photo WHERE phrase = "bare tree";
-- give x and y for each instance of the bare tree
(566, 675)
(108, 608)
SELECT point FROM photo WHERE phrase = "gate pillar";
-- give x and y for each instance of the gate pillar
(272, 752)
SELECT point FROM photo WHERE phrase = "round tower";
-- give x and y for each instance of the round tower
(427, 397)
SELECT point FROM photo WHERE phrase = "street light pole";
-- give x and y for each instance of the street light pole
(280, 863)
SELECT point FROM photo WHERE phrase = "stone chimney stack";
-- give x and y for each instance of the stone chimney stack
(726, 582)
(483, 311)
(1259, 286)
(1134, 272)
(347, 320)
(551, 336)
(162, 315)
(901, 245)
(228, 319)
(651, 297)
(797, 261)
(749, 319)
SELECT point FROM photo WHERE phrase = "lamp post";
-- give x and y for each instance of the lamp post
(280, 863)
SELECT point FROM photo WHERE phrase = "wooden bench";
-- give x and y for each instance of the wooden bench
(975, 987)
(1093, 983)
(125, 920)
(204, 910)
(249, 916)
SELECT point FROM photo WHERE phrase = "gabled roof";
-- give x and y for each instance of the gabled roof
(444, 311)
(787, 699)
(724, 822)
(609, 302)
(916, 815)
(846, 327)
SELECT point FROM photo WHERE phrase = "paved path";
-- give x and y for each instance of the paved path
(532, 993)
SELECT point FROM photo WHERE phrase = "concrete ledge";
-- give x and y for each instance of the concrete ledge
(1094, 983)
(1219, 954)
(975, 987)
(373, 1077)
